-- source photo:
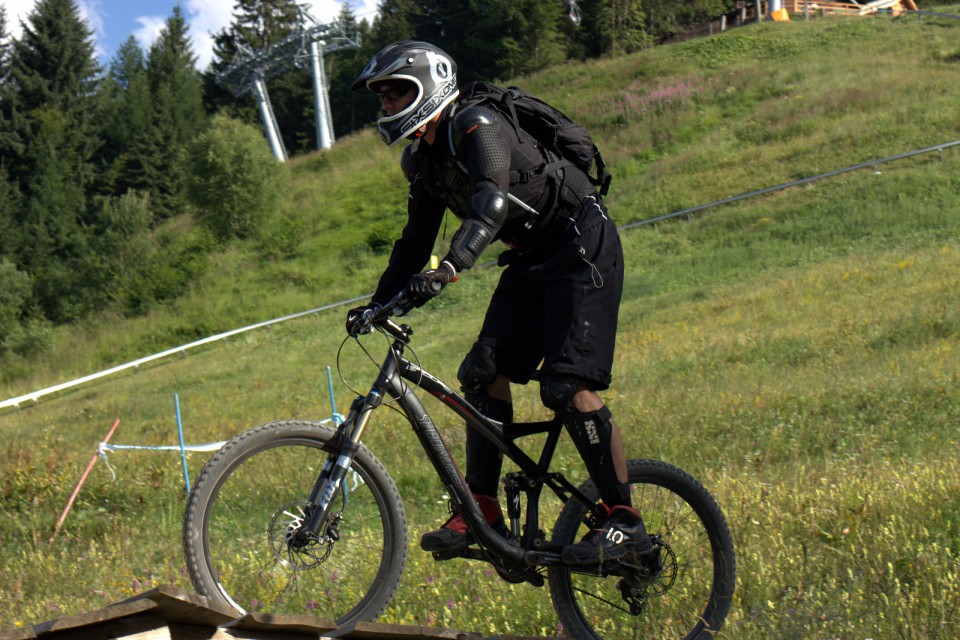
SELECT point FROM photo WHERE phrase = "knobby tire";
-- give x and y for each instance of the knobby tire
(251, 494)
(689, 597)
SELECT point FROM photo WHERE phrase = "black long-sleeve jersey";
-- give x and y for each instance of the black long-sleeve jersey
(477, 157)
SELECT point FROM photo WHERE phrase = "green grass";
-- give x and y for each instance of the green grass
(798, 352)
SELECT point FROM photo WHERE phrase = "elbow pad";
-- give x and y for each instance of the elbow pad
(468, 243)
(490, 205)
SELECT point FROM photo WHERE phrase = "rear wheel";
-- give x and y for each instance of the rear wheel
(684, 589)
(242, 531)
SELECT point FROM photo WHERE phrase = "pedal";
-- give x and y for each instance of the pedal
(516, 577)
(447, 555)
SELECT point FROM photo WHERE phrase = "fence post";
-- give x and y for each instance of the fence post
(76, 490)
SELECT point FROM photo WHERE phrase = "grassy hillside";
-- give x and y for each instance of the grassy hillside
(799, 352)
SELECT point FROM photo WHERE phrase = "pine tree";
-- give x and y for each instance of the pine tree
(4, 45)
(523, 36)
(52, 109)
(176, 93)
(350, 109)
(128, 111)
(8, 205)
(396, 20)
(7, 146)
(667, 18)
(622, 26)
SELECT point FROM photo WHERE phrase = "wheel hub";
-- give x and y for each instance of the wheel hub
(293, 545)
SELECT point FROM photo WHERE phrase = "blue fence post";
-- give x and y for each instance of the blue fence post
(183, 451)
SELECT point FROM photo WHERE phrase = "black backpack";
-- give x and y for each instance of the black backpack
(545, 124)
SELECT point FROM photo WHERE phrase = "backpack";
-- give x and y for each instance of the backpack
(546, 125)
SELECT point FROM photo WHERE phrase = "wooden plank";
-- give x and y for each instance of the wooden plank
(377, 631)
(170, 613)
(140, 625)
(296, 624)
(264, 626)
(26, 633)
(113, 612)
(183, 607)
(166, 603)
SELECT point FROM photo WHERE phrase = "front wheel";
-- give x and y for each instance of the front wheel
(242, 532)
(684, 592)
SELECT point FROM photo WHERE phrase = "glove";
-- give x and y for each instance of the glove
(355, 317)
(428, 284)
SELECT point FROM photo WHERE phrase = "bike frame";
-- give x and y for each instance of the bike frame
(528, 547)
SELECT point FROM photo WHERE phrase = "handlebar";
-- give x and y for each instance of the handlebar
(399, 305)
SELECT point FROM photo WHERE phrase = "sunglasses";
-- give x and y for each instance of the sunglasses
(393, 92)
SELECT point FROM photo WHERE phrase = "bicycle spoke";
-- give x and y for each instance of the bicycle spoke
(252, 553)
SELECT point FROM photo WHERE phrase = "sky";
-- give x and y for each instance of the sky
(113, 21)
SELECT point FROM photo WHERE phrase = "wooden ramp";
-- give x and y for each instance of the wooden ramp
(169, 613)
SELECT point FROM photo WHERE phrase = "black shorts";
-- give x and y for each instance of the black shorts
(560, 307)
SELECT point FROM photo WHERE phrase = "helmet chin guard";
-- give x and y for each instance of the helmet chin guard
(432, 73)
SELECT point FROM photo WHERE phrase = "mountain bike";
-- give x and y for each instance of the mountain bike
(299, 518)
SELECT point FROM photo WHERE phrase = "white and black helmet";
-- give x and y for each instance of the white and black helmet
(432, 72)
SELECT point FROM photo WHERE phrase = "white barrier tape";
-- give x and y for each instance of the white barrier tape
(211, 446)
(36, 395)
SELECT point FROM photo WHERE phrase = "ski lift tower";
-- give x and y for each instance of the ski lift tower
(251, 70)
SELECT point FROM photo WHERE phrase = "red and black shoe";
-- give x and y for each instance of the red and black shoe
(454, 534)
(620, 535)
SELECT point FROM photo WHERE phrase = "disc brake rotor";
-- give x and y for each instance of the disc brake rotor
(292, 546)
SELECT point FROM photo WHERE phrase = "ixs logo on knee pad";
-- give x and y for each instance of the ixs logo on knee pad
(592, 436)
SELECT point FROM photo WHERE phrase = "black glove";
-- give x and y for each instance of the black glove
(428, 284)
(354, 323)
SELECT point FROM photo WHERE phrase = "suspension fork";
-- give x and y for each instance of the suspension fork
(345, 445)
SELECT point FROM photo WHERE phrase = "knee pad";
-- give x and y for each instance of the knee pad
(592, 434)
(556, 392)
(478, 369)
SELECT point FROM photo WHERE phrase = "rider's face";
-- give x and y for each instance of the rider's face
(394, 98)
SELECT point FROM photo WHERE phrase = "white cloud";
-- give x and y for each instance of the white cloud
(92, 12)
(206, 18)
(149, 30)
(17, 11)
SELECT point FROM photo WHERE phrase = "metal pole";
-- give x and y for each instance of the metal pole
(320, 98)
(270, 127)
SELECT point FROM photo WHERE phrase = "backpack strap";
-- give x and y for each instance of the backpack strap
(507, 100)
(603, 176)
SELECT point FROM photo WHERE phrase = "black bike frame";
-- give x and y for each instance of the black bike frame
(392, 380)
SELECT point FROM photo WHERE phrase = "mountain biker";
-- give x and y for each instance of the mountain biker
(556, 301)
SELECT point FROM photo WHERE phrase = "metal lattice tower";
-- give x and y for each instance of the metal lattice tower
(251, 70)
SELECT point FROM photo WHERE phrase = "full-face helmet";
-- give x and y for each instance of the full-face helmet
(433, 75)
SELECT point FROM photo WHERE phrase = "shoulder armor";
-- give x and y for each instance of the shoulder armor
(471, 117)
